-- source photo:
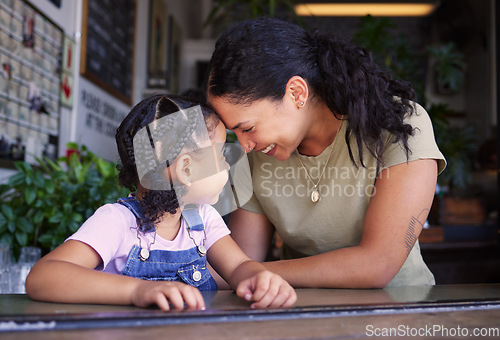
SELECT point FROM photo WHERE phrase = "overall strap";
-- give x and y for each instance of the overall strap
(132, 203)
(192, 218)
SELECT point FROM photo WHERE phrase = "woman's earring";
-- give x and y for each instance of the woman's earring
(301, 103)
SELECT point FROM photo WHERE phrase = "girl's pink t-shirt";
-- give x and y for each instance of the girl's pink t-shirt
(112, 232)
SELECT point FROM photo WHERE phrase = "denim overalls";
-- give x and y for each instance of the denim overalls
(188, 266)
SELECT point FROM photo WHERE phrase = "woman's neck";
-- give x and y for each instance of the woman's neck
(323, 131)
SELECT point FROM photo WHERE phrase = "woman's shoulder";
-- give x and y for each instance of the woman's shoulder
(419, 118)
(416, 115)
(421, 142)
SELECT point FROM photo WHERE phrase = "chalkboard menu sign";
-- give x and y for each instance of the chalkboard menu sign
(108, 45)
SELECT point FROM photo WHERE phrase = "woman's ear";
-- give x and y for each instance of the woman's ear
(183, 169)
(298, 90)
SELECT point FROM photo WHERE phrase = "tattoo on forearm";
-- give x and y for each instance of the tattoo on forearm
(411, 235)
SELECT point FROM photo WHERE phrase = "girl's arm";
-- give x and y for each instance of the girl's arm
(253, 233)
(67, 275)
(248, 278)
(392, 224)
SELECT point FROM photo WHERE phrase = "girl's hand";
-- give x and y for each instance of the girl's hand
(268, 290)
(167, 295)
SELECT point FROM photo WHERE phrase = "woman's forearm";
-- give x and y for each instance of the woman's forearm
(393, 222)
(352, 267)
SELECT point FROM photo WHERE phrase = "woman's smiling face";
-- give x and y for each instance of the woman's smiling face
(275, 128)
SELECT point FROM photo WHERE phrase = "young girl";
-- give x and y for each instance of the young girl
(160, 237)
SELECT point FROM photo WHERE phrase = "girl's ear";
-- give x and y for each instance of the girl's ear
(183, 169)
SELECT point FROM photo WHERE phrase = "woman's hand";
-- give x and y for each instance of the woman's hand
(248, 278)
(267, 290)
(167, 295)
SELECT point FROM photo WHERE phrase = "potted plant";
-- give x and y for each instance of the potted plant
(448, 66)
(391, 51)
(458, 144)
(226, 11)
(44, 203)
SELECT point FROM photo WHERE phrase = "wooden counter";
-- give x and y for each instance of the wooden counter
(319, 313)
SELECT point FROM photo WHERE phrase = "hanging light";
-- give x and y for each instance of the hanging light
(362, 9)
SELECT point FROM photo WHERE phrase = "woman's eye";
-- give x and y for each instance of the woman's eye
(247, 130)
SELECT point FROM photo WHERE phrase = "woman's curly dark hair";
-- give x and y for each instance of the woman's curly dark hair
(254, 60)
(154, 203)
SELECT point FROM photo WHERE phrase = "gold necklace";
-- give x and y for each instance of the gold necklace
(315, 196)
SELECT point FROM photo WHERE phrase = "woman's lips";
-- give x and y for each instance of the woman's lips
(270, 150)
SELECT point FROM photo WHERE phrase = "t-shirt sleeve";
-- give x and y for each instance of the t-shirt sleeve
(103, 231)
(422, 143)
(253, 205)
(215, 228)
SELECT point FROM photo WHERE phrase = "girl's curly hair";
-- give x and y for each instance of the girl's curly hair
(154, 203)
(254, 60)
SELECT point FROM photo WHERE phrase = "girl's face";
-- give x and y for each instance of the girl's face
(274, 128)
(206, 189)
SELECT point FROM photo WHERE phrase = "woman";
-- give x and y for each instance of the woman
(344, 161)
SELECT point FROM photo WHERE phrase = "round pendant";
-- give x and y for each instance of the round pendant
(315, 195)
(196, 276)
(202, 250)
(144, 254)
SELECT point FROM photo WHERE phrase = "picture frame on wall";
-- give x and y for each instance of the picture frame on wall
(158, 45)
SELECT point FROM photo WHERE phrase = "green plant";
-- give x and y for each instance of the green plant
(44, 203)
(391, 51)
(236, 10)
(457, 144)
(449, 66)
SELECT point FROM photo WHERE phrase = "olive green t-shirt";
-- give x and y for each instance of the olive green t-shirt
(282, 192)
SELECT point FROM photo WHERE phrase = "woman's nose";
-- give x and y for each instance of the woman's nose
(248, 146)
